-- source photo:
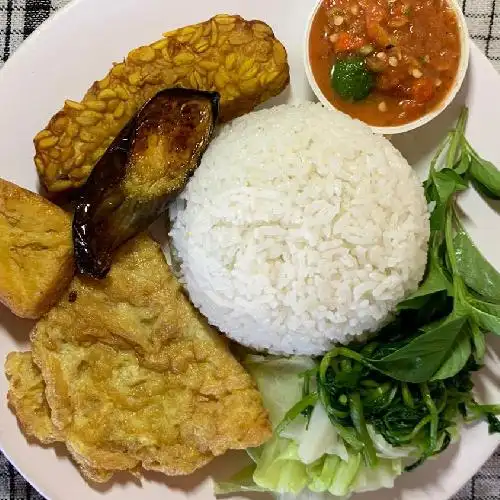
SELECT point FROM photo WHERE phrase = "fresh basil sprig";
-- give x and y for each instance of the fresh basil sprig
(441, 349)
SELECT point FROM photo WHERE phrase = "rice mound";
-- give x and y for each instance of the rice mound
(301, 228)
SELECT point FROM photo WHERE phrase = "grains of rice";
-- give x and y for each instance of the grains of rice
(300, 229)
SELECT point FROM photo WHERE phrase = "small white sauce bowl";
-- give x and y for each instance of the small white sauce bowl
(398, 129)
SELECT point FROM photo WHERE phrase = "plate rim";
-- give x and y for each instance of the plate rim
(493, 441)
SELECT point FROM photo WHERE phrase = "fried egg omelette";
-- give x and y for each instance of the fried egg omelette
(130, 376)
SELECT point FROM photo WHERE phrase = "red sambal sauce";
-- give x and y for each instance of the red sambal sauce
(411, 46)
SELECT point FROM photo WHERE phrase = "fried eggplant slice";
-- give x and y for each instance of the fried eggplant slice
(146, 166)
(136, 378)
(36, 251)
(242, 60)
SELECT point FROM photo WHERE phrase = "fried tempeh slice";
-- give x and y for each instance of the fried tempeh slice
(135, 377)
(36, 251)
(240, 59)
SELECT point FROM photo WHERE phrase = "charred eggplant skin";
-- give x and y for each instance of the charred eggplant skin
(147, 165)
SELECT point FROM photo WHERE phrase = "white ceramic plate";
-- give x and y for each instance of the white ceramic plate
(76, 47)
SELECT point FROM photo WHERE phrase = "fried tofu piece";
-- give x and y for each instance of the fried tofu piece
(242, 60)
(36, 251)
(136, 378)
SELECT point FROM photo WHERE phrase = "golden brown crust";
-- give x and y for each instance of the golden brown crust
(240, 59)
(135, 377)
(36, 251)
(26, 398)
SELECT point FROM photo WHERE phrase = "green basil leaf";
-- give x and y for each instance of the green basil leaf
(461, 306)
(415, 303)
(438, 155)
(438, 217)
(458, 357)
(487, 175)
(430, 190)
(475, 270)
(487, 315)
(421, 358)
(479, 341)
(463, 165)
(483, 191)
(447, 183)
(435, 279)
(457, 138)
(438, 306)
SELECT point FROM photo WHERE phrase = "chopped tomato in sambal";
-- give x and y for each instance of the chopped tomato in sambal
(407, 51)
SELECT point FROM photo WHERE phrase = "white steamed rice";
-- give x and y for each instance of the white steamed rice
(300, 228)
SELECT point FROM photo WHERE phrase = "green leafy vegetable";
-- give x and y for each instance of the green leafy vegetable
(475, 270)
(444, 182)
(457, 138)
(322, 472)
(485, 174)
(282, 381)
(447, 183)
(296, 410)
(421, 358)
(351, 79)
(433, 418)
(443, 349)
(479, 342)
(435, 279)
(437, 340)
(486, 315)
(358, 419)
(313, 457)
(463, 165)
(242, 481)
(279, 468)
(382, 476)
(457, 359)
(345, 423)
(345, 475)
(489, 412)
